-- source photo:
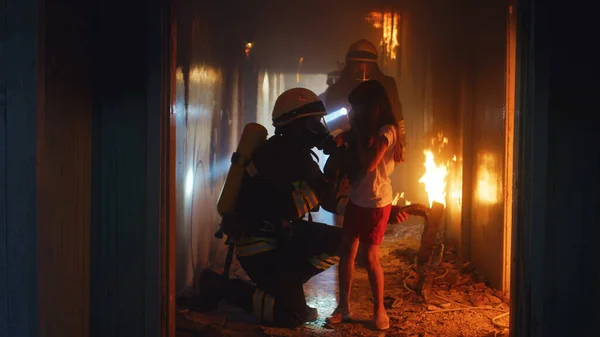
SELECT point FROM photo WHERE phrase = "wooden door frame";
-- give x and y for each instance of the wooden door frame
(167, 225)
(509, 150)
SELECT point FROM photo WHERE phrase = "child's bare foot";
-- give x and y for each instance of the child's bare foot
(381, 321)
(339, 315)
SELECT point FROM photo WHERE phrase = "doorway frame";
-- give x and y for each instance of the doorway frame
(167, 220)
(509, 148)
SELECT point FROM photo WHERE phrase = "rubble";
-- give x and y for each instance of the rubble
(456, 301)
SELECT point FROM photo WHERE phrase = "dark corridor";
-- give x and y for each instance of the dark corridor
(106, 107)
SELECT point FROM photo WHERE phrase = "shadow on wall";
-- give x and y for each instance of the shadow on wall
(199, 174)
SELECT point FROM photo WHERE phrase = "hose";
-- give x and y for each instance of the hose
(494, 319)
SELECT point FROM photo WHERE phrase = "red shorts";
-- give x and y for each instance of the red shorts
(366, 224)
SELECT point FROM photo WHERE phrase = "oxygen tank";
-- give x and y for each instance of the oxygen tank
(253, 136)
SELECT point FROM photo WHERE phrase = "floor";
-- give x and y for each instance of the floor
(455, 302)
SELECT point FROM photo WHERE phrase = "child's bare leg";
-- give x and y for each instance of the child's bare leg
(376, 280)
(346, 270)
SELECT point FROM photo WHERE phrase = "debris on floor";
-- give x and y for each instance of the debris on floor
(455, 300)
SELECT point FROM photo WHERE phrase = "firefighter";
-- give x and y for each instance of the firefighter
(361, 65)
(278, 249)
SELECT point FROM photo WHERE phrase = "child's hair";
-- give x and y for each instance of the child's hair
(375, 112)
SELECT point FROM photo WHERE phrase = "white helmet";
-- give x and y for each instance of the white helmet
(296, 103)
(362, 51)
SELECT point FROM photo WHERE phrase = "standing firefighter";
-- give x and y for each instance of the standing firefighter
(361, 65)
(277, 249)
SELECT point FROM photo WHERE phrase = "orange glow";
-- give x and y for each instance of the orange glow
(249, 46)
(375, 18)
(204, 74)
(456, 189)
(487, 179)
(179, 75)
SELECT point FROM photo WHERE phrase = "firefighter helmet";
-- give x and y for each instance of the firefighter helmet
(296, 103)
(362, 51)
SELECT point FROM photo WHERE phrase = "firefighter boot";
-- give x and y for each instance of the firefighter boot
(210, 289)
(311, 314)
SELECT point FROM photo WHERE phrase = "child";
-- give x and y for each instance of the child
(373, 139)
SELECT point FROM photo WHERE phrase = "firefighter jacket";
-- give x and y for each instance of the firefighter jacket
(282, 184)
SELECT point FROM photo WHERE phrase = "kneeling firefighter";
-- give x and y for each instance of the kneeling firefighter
(277, 249)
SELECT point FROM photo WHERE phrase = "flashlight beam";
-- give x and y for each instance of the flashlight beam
(334, 115)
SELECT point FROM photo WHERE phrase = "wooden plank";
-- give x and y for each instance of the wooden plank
(433, 223)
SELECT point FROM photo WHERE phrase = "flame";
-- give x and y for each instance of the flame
(390, 33)
(388, 22)
(406, 202)
(455, 184)
(298, 72)
(397, 199)
(434, 179)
